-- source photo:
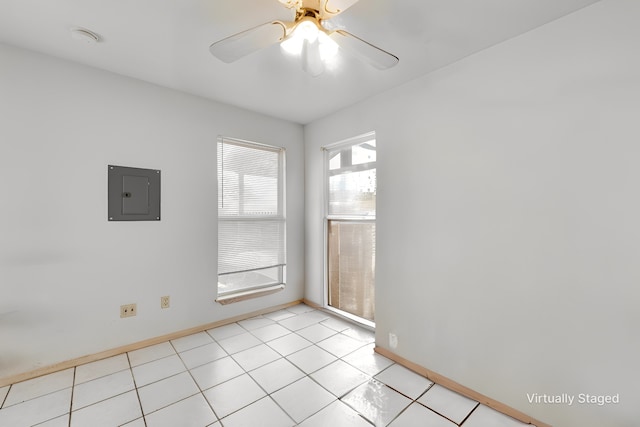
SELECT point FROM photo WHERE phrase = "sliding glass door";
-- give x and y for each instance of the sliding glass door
(351, 226)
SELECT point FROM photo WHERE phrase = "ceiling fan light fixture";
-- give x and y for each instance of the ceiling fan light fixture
(309, 37)
(306, 36)
(312, 62)
(306, 30)
(303, 31)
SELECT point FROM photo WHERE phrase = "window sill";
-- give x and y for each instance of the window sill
(245, 295)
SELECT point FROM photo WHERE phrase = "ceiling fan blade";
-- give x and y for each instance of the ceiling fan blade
(234, 47)
(334, 7)
(364, 50)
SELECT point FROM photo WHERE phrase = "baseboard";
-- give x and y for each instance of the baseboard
(312, 304)
(135, 346)
(459, 388)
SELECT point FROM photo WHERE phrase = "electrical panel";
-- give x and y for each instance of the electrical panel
(134, 194)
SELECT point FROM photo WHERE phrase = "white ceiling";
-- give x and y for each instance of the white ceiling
(166, 42)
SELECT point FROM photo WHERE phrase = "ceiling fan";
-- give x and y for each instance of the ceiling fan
(309, 35)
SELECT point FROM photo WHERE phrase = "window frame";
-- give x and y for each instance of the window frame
(327, 217)
(236, 295)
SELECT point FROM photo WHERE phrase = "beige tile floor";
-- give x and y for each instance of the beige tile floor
(298, 366)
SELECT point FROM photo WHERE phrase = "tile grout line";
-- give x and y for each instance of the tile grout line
(198, 346)
(438, 413)
(267, 394)
(309, 375)
(200, 391)
(141, 364)
(101, 376)
(73, 389)
(469, 414)
(401, 412)
(337, 399)
(205, 363)
(6, 396)
(295, 423)
(246, 332)
(412, 400)
(135, 385)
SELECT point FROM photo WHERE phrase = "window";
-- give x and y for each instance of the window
(351, 227)
(251, 220)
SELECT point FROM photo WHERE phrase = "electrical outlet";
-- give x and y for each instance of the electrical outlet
(128, 310)
(164, 302)
(393, 340)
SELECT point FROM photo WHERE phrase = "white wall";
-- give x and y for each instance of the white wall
(64, 269)
(509, 215)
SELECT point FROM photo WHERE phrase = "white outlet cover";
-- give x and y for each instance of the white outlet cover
(393, 340)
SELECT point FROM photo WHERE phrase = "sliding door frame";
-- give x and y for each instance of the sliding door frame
(327, 217)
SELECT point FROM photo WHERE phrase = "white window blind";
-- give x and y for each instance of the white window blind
(251, 221)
